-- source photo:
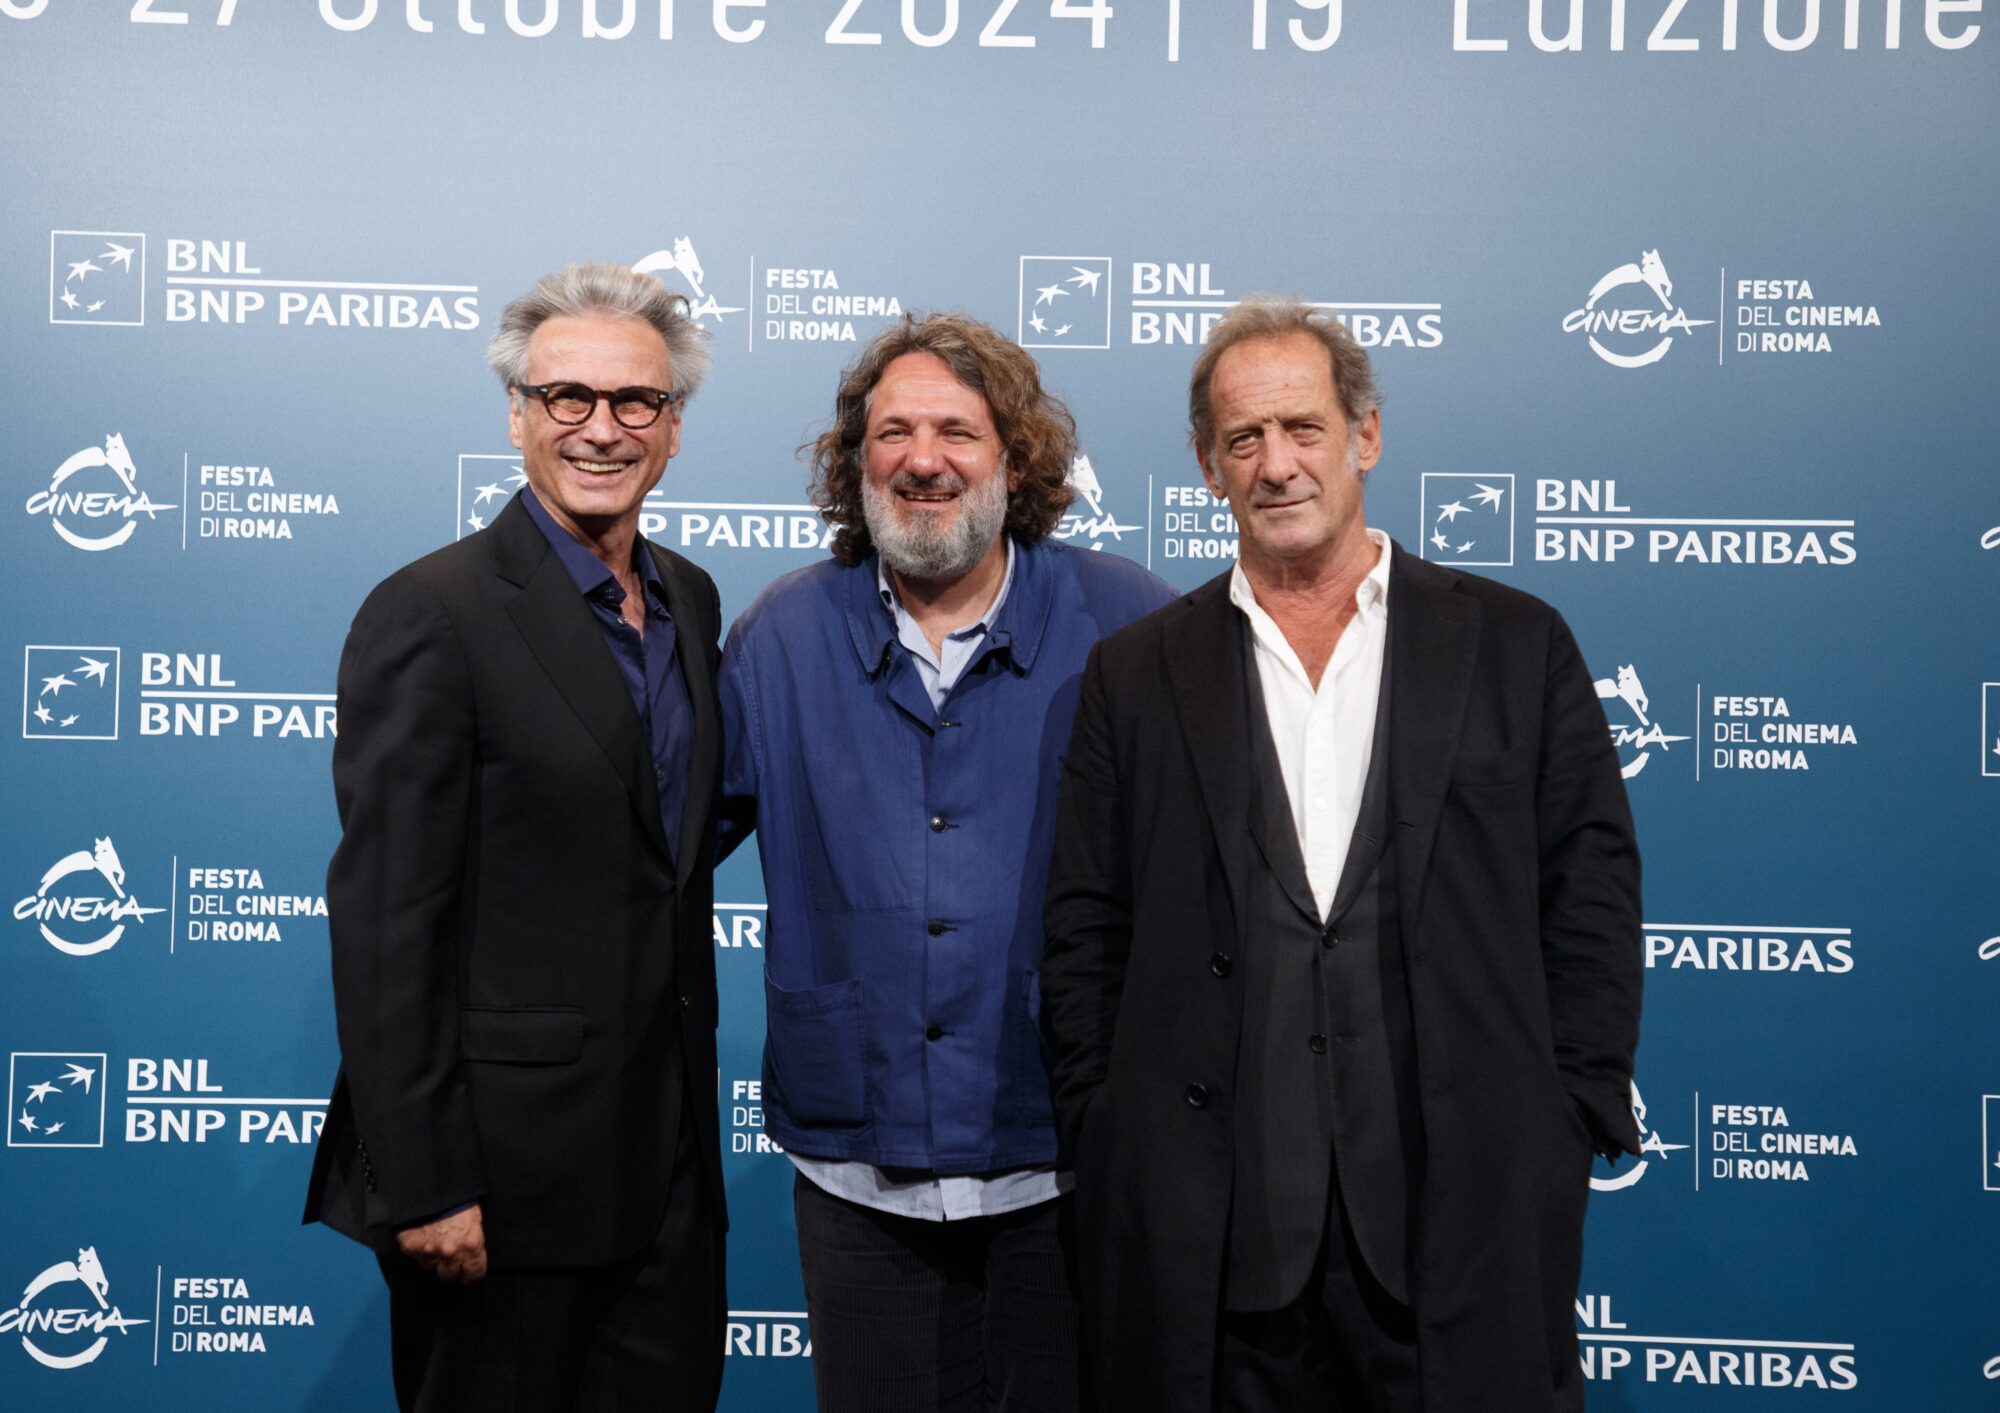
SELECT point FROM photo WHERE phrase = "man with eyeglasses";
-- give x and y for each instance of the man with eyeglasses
(524, 1126)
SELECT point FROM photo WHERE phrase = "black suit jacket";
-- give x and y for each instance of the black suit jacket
(1518, 888)
(524, 985)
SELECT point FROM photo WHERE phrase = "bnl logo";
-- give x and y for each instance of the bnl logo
(97, 277)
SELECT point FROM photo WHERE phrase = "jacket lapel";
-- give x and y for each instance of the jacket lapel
(1203, 647)
(1371, 824)
(559, 630)
(1272, 823)
(693, 634)
(1431, 651)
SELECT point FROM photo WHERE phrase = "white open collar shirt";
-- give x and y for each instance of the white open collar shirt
(1325, 735)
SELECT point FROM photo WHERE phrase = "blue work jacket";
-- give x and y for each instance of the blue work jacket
(906, 852)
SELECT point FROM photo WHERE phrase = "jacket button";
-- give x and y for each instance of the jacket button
(939, 824)
(1197, 1095)
(1331, 939)
(934, 1032)
(1219, 964)
(1318, 1043)
(937, 927)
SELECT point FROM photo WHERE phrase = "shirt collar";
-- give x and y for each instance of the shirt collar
(586, 570)
(1030, 598)
(1371, 594)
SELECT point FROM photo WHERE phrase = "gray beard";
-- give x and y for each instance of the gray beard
(920, 552)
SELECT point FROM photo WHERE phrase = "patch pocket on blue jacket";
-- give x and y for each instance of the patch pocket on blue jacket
(813, 1052)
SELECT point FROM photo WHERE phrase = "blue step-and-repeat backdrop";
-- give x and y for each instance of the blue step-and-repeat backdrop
(1685, 310)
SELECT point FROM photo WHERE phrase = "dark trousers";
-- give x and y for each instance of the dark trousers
(1344, 1346)
(646, 1333)
(911, 1316)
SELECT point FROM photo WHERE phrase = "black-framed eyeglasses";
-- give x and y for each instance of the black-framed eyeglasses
(572, 403)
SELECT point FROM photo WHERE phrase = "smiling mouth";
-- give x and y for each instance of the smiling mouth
(597, 468)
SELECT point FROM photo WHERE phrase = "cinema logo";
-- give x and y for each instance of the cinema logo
(219, 1315)
(60, 1326)
(1653, 1148)
(93, 501)
(1179, 302)
(1610, 1351)
(1712, 949)
(1586, 522)
(1762, 733)
(1636, 736)
(768, 1334)
(1632, 330)
(214, 282)
(680, 261)
(746, 1118)
(1087, 519)
(81, 907)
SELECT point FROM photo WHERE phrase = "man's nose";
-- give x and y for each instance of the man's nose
(601, 427)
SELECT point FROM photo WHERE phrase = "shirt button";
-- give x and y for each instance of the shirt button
(659, 773)
(1319, 802)
(939, 824)
(1318, 1043)
(1219, 964)
(935, 1032)
(937, 927)
(1197, 1095)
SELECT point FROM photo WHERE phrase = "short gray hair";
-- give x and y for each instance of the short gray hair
(1264, 316)
(613, 291)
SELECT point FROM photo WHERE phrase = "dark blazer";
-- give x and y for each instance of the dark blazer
(524, 985)
(1518, 888)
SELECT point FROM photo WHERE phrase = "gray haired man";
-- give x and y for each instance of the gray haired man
(524, 1127)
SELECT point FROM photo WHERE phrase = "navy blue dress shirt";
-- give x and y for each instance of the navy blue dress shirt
(649, 665)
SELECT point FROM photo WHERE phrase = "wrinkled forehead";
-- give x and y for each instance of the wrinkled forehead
(604, 350)
(923, 387)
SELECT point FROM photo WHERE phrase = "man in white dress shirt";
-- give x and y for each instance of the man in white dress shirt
(1343, 963)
